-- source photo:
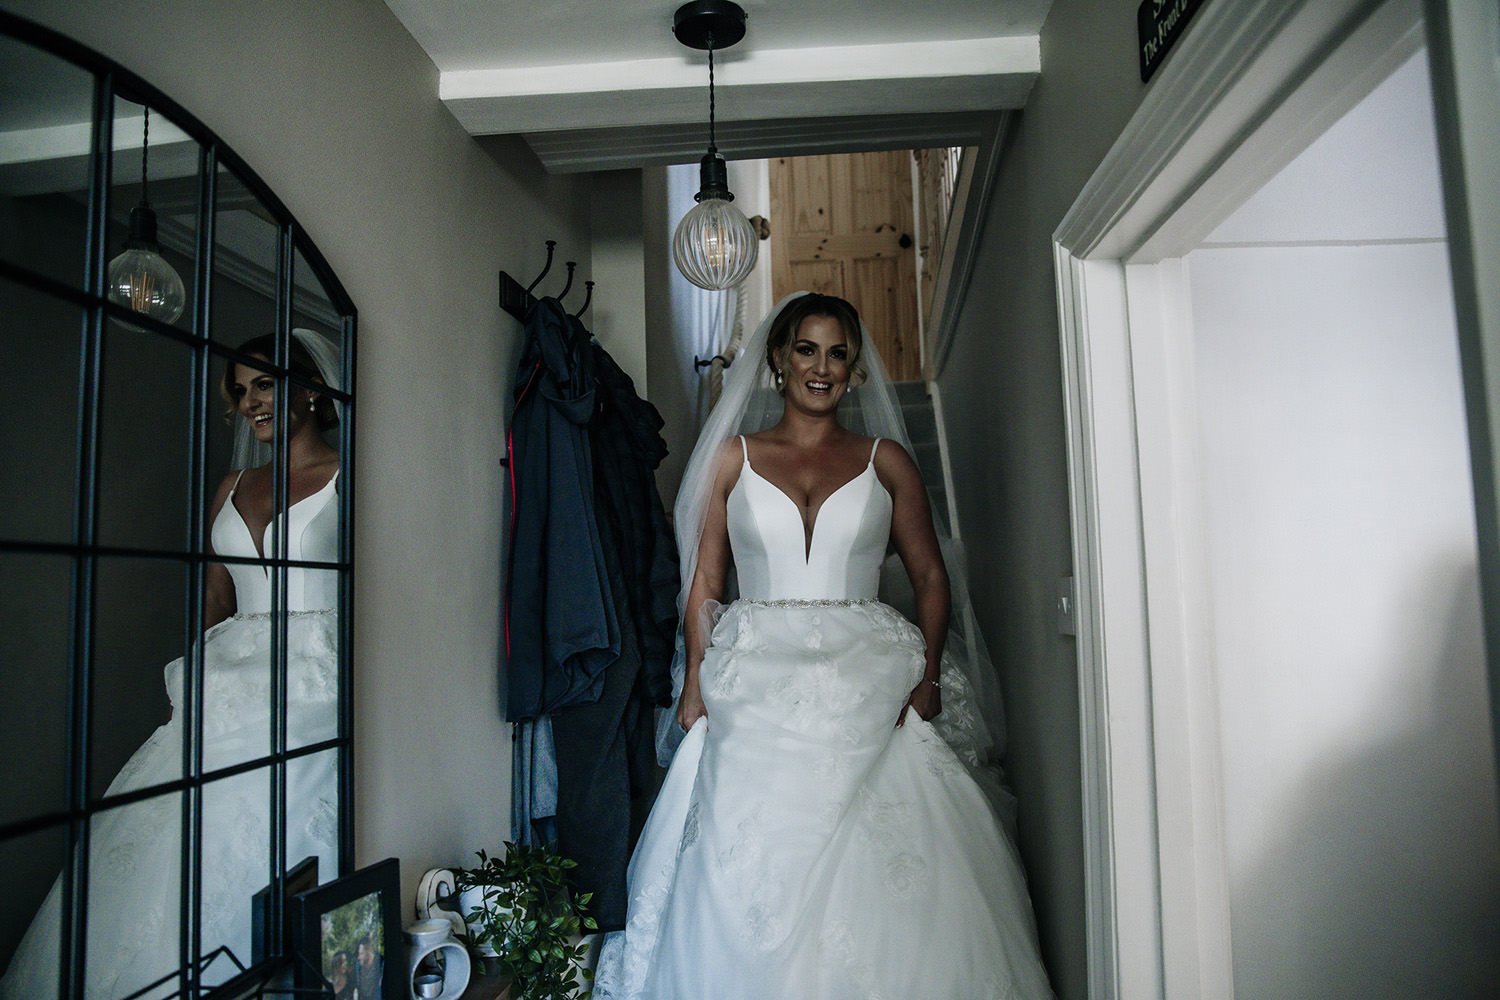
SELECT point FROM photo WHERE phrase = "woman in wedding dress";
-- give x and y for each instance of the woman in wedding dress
(135, 861)
(819, 834)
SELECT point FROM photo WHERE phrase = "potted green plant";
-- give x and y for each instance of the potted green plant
(521, 909)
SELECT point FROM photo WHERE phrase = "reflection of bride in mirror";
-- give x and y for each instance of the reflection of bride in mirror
(135, 857)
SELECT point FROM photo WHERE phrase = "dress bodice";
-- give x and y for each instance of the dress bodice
(767, 539)
(312, 536)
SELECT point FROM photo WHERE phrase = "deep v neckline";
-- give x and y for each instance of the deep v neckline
(259, 544)
(809, 526)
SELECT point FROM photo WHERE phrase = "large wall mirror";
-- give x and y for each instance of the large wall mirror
(174, 542)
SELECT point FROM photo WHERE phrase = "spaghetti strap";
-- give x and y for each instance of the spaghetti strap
(872, 449)
(236, 485)
(744, 447)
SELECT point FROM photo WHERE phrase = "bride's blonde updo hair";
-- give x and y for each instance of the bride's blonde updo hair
(784, 328)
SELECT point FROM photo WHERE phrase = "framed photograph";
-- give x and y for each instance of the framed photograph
(349, 933)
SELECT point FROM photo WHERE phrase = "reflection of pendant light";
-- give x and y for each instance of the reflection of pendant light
(715, 245)
(140, 279)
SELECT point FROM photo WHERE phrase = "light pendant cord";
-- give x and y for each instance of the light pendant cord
(145, 152)
(712, 146)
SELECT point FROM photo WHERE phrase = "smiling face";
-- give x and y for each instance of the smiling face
(816, 365)
(253, 393)
(250, 392)
(821, 331)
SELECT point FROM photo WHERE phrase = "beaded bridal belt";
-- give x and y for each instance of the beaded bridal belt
(811, 602)
(265, 615)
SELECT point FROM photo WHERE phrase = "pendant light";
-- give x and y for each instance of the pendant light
(140, 279)
(715, 246)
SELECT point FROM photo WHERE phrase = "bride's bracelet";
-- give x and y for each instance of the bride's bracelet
(929, 680)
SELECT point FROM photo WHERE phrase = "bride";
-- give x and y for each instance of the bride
(135, 862)
(822, 833)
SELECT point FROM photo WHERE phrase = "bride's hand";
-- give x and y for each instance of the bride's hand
(926, 698)
(690, 707)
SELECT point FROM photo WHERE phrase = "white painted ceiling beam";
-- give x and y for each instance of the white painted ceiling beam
(640, 146)
(52, 141)
(984, 74)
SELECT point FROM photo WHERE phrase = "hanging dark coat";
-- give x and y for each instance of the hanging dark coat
(561, 629)
(628, 448)
(605, 750)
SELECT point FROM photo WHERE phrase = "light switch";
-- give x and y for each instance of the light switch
(1067, 605)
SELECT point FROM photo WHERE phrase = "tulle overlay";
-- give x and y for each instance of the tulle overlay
(802, 846)
(134, 853)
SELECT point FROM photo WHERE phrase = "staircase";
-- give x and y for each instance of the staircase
(927, 445)
(921, 425)
(920, 414)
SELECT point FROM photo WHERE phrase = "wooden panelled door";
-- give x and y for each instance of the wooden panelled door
(842, 225)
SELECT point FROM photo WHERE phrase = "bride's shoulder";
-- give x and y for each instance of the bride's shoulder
(728, 461)
(731, 452)
(888, 450)
(893, 464)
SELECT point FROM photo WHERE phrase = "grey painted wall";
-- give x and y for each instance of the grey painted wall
(671, 389)
(336, 107)
(1002, 397)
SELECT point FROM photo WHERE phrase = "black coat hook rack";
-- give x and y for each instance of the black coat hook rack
(588, 296)
(517, 299)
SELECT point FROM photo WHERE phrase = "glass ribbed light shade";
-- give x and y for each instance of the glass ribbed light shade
(144, 282)
(715, 246)
(140, 279)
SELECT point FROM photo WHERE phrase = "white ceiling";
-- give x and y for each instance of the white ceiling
(607, 81)
(486, 34)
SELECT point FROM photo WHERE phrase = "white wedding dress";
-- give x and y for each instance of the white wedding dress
(134, 851)
(802, 847)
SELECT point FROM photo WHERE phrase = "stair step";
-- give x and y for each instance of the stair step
(930, 460)
(921, 426)
(910, 392)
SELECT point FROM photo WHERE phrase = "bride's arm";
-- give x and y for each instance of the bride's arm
(917, 545)
(708, 581)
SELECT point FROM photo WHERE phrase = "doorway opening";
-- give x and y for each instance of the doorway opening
(1280, 647)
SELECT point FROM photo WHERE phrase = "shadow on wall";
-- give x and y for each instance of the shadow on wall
(1381, 880)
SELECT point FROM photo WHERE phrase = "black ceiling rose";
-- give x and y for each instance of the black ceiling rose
(704, 24)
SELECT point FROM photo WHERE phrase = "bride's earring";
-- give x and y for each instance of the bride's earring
(780, 380)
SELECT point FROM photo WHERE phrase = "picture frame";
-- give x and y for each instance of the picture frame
(347, 934)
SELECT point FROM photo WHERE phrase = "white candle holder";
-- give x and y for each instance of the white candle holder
(435, 937)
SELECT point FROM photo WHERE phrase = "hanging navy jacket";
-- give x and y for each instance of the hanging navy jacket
(628, 446)
(605, 751)
(561, 629)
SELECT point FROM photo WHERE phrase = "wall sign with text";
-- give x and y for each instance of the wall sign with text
(1159, 23)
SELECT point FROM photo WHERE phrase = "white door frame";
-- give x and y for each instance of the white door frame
(1463, 41)
(1253, 84)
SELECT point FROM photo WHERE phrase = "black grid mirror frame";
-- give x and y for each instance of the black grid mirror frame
(84, 551)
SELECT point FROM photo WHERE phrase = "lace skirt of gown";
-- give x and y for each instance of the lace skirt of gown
(134, 851)
(801, 846)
